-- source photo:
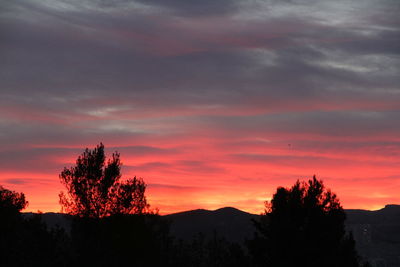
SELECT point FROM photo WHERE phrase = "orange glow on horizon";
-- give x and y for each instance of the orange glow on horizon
(238, 173)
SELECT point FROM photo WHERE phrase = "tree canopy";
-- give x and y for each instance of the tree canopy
(24, 238)
(11, 201)
(303, 226)
(94, 187)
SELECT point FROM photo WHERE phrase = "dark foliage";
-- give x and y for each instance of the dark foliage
(120, 240)
(303, 226)
(11, 202)
(94, 188)
(209, 252)
(26, 242)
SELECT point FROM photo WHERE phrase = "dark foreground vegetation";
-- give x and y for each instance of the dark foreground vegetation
(111, 224)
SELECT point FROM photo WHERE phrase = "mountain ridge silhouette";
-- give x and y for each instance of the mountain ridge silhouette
(377, 232)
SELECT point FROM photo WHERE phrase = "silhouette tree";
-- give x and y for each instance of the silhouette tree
(25, 240)
(94, 188)
(11, 202)
(112, 224)
(303, 226)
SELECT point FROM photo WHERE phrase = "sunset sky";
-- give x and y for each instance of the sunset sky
(213, 103)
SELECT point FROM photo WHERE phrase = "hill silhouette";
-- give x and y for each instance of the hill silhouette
(232, 224)
(377, 233)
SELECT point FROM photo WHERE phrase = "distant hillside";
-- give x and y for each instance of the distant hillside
(53, 219)
(377, 233)
(233, 224)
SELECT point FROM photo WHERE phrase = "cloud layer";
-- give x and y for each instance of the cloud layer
(214, 103)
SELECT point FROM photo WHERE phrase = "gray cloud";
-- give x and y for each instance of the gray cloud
(173, 187)
(144, 150)
(331, 125)
(15, 181)
(179, 167)
(196, 8)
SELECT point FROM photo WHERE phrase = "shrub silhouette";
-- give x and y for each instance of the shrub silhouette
(26, 241)
(94, 188)
(303, 226)
(11, 202)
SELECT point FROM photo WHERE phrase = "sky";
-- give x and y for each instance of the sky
(212, 103)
